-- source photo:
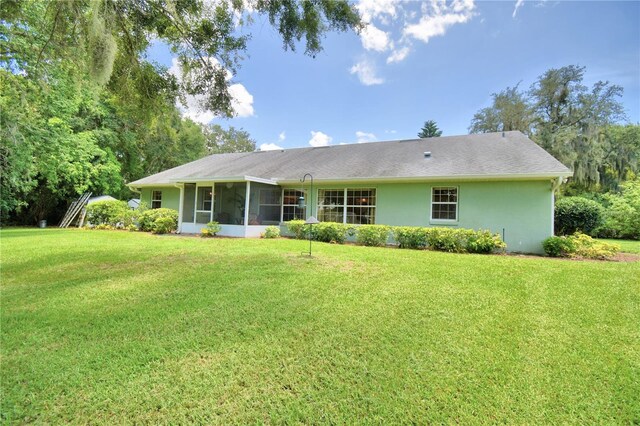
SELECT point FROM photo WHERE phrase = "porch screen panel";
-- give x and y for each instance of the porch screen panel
(189, 202)
(204, 204)
(229, 202)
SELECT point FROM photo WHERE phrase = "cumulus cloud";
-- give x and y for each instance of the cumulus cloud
(282, 136)
(269, 147)
(363, 137)
(519, 4)
(438, 17)
(366, 72)
(398, 55)
(242, 100)
(373, 38)
(319, 139)
(370, 9)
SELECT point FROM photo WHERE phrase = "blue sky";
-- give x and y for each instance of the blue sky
(419, 61)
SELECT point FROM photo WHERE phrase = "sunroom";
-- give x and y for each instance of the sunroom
(243, 206)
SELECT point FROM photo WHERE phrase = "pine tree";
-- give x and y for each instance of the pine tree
(430, 130)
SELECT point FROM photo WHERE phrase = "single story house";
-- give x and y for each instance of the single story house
(503, 182)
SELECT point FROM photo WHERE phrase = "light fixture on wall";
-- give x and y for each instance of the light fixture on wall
(229, 185)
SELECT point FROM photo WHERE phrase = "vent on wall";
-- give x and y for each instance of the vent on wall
(427, 154)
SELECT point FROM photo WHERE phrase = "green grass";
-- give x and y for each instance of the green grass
(114, 327)
(626, 246)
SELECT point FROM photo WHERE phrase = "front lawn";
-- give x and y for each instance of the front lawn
(115, 327)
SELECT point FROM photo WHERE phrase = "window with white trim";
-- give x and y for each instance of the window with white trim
(156, 199)
(349, 205)
(290, 209)
(444, 203)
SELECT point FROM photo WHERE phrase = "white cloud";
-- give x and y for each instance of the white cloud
(392, 132)
(438, 18)
(364, 137)
(242, 100)
(370, 9)
(282, 136)
(366, 72)
(319, 139)
(398, 55)
(269, 147)
(519, 4)
(374, 38)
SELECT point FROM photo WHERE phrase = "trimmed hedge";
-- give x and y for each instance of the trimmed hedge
(442, 239)
(577, 214)
(147, 219)
(580, 245)
(114, 213)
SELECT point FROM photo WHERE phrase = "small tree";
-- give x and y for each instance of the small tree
(430, 130)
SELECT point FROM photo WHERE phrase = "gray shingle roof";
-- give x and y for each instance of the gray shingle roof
(469, 156)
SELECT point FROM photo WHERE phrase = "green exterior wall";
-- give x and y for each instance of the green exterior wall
(170, 196)
(522, 211)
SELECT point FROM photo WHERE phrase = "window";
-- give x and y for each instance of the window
(270, 205)
(361, 206)
(444, 203)
(331, 205)
(156, 199)
(204, 201)
(355, 205)
(290, 209)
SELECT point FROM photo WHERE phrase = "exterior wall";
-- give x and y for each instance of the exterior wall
(170, 196)
(522, 211)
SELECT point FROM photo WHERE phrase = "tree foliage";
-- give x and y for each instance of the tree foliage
(430, 130)
(219, 140)
(82, 109)
(580, 126)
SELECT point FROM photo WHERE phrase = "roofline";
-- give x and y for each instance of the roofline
(392, 179)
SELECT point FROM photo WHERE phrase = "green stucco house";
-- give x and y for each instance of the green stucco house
(502, 182)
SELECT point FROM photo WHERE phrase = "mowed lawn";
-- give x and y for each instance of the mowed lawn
(113, 327)
(626, 246)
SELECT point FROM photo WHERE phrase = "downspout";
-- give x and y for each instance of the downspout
(181, 187)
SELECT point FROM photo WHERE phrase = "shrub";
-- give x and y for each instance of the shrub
(298, 229)
(104, 227)
(132, 227)
(622, 217)
(372, 235)
(164, 225)
(271, 232)
(484, 242)
(581, 245)
(448, 239)
(331, 232)
(211, 229)
(573, 214)
(411, 237)
(147, 218)
(110, 212)
(559, 246)
(585, 246)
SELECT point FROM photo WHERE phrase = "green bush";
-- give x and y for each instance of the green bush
(147, 218)
(411, 237)
(298, 229)
(211, 230)
(451, 240)
(622, 216)
(331, 232)
(271, 232)
(559, 246)
(110, 212)
(573, 214)
(164, 225)
(580, 245)
(484, 242)
(104, 227)
(372, 235)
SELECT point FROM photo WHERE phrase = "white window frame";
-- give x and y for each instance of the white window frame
(346, 206)
(153, 199)
(456, 203)
(283, 205)
(345, 200)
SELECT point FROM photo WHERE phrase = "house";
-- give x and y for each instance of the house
(502, 182)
